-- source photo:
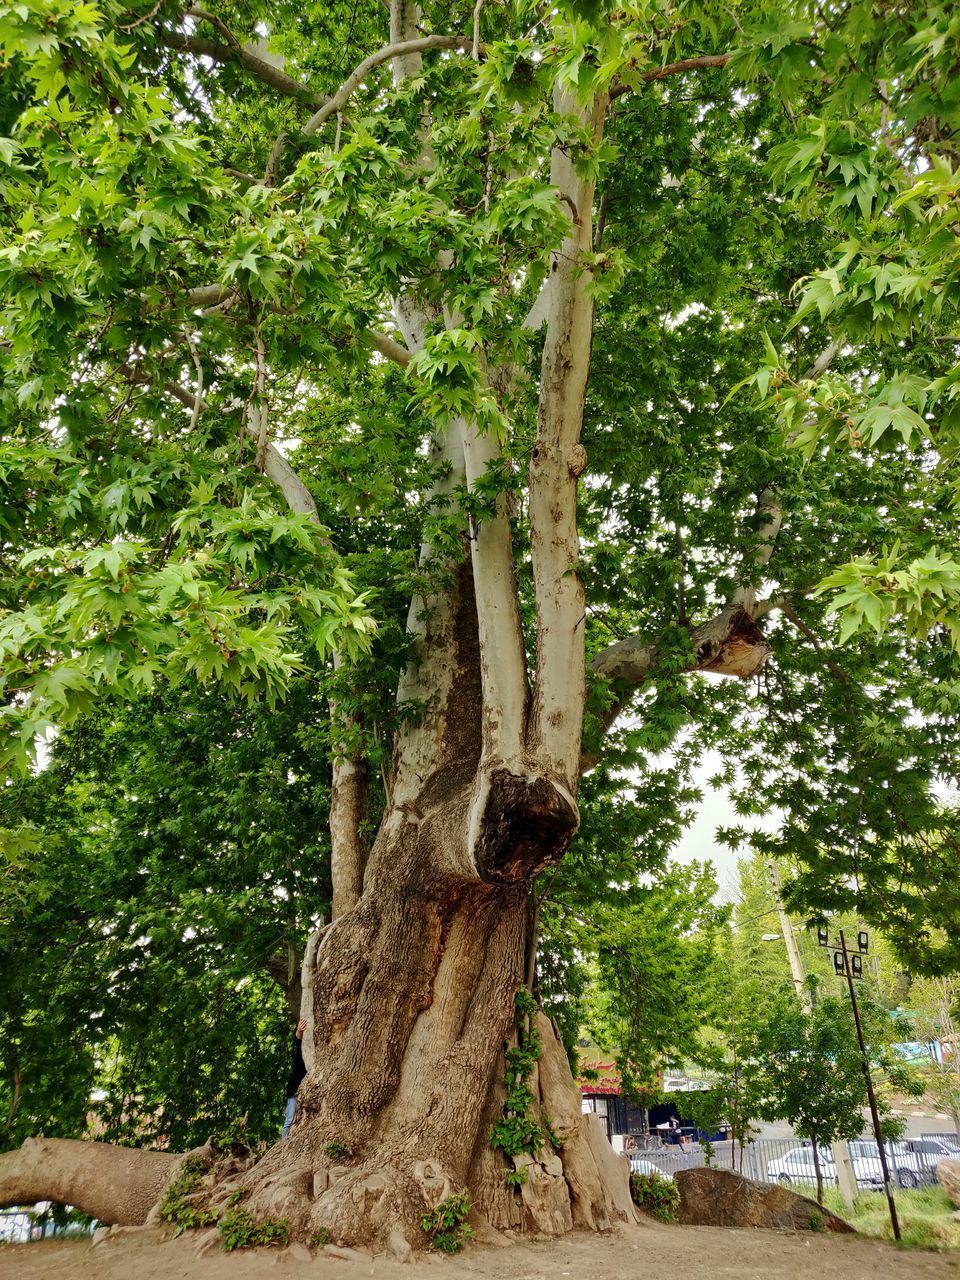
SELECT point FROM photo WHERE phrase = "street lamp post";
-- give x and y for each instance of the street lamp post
(887, 1183)
(842, 963)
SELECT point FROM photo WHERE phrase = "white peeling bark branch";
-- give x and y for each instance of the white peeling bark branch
(503, 664)
(556, 463)
(390, 348)
(402, 49)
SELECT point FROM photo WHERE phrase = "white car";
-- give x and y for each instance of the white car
(796, 1168)
(911, 1161)
(639, 1165)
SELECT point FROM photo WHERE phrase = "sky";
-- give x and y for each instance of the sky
(699, 841)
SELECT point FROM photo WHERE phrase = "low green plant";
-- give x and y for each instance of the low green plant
(336, 1150)
(240, 1230)
(517, 1177)
(446, 1225)
(519, 1130)
(816, 1221)
(320, 1238)
(181, 1206)
(656, 1195)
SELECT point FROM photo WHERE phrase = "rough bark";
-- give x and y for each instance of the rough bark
(115, 1184)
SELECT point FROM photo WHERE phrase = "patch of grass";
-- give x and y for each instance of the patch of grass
(925, 1215)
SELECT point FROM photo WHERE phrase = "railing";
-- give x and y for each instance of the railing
(18, 1226)
(789, 1161)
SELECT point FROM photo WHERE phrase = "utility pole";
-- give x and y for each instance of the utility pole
(846, 1180)
(887, 1184)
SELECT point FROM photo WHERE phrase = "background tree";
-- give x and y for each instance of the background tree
(167, 865)
(936, 1002)
(807, 1069)
(523, 261)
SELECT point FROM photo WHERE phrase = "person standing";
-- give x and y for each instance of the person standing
(297, 1071)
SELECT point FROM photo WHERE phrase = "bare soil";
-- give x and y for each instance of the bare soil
(650, 1252)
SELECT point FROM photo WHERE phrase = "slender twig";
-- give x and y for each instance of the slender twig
(132, 26)
(673, 69)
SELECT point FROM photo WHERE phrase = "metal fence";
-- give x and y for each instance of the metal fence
(790, 1162)
(19, 1226)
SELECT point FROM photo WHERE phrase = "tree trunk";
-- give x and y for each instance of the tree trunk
(413, 1005)
(819, 1173)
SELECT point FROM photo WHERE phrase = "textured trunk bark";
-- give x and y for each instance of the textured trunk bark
(413, 1005)
(115, 1184)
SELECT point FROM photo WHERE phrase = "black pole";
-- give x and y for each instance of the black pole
(887, 1184)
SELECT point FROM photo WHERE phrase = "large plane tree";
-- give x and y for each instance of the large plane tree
(592, 337)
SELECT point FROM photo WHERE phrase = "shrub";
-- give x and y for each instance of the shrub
(183, 1204)
(446, 1225)
(239, 1230)
(656, 1195)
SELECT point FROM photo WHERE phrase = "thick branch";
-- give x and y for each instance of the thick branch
(115, 1184)
(557, 461)
(729, 644)
(388, 347)
(210, 295)
(348, 811)
(503, 664)
(279, 969)
(404, 48)
(247, 56)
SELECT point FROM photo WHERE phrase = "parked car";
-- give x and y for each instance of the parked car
(797, 1168)
(639, 1165)
(912, 1161)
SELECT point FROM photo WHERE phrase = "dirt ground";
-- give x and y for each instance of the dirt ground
(651, 1252)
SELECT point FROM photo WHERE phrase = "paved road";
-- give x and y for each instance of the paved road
(917, 1123)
